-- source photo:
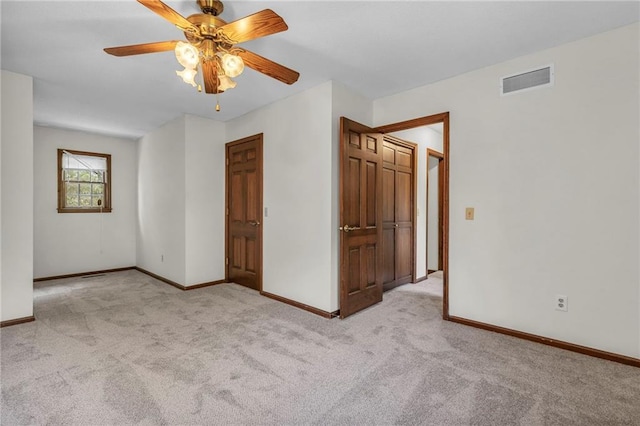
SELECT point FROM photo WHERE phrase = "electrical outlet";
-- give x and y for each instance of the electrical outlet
(562, 303)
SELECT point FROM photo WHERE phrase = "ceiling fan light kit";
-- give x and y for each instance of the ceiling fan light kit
(233, 65)
(188, 76)
(211, 45)
(226, 83)
(187, 55)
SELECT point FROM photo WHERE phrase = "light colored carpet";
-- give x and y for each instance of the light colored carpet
(432, 286)
(126, 349)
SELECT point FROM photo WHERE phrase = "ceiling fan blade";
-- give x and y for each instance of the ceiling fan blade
(210, 76)
(169, 14)
(139, 49)
(268, 67)
(254, 26)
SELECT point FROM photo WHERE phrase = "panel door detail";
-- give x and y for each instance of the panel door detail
(360, 217)
(244, 212)
(398, 217)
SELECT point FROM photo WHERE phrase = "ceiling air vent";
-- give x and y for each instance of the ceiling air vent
(528, 80)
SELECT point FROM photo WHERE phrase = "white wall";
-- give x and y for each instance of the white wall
(68, 243)
(546, 222)
(205, 182)
(16, 216)
(161, 234)
(433, 212)
(297, 191)
(425, 137)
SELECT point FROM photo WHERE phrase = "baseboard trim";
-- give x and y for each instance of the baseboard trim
(17, 321)
(82, 274)
(302, 306)
(207, 284)
(175, 284)
(161, 278)
(622, 359)
(431, 271)
(418, 280)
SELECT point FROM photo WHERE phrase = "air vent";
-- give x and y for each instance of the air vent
(528, 80)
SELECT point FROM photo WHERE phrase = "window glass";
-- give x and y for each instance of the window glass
(84, 182)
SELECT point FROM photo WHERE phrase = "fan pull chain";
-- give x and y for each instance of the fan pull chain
(217, 95)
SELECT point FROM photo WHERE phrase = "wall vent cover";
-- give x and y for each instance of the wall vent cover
(528, 80)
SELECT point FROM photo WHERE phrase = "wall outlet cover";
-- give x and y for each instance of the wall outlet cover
(562, 303)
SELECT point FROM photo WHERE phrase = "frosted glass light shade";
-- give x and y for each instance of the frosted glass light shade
(226, 83)
(233, 65)
(188, 75)
(187, 54)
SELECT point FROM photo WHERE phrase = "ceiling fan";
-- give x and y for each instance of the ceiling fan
(211, 45)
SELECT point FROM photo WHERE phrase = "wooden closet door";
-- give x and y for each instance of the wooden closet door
(398, 244)
(244, 212)
(388, 215)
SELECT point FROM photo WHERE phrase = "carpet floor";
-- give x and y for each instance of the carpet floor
(126, 349)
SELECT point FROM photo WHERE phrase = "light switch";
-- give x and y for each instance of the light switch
(468, 213)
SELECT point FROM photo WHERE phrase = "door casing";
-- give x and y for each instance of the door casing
(427, 121)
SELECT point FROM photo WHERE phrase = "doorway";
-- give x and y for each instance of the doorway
(361, 257)
(243, 248)
(443, 226)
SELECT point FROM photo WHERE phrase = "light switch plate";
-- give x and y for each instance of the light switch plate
(468, 213)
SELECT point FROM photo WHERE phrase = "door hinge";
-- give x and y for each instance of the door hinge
(227, 161)
(227, 212)
(226, 262)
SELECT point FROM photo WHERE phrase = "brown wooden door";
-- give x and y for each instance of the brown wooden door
(397, 212)
(360, 217)
(244, 212)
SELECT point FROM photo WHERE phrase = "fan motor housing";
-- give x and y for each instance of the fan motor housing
(207, 24)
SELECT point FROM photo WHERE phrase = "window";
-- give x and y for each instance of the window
(84, 182)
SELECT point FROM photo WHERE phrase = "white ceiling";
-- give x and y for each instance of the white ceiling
(376, 48)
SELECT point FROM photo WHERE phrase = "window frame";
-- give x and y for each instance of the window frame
(106, 205)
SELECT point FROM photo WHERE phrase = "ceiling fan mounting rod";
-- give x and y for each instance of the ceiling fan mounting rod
(211, 7)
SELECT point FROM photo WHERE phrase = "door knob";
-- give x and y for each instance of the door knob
(254, 223)
(348, 228)
(397, 225)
